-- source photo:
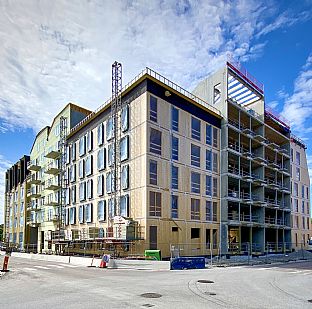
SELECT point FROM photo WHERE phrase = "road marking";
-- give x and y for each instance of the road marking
(30, 269)
(68, 265)
(56, 266)
(42, 267)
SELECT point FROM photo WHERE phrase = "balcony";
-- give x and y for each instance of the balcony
(234, 124)
(33, 166)
(53, 154)
(33, 193)
(274, 221)
(285, 189)
(273, 184)
(32, 207)
(233, 218)
(52, 169)
(233, 195)
(52, 202)
(54, 219)
(249, 133)
(259, 138)
(257, 179)
(258, 158)
(234, 148)
(52, 185)
(32, 221)
(246, 197)
(274, 164)
(33, 180)
(272, 202)
(247, 176)
(256, 200)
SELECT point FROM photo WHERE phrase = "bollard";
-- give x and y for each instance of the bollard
(5, 263)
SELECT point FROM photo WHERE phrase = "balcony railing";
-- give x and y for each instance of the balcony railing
(33, 165)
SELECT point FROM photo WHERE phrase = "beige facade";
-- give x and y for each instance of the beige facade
(301, 211)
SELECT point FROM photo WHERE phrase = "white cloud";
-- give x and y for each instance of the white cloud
(53, 52)
(4, 165)
(298, 106)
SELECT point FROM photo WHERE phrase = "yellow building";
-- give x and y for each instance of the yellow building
(301, 212)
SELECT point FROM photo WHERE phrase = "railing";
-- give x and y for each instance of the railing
(233, 216)
(159, 77)
(298, 141)
(233, 193)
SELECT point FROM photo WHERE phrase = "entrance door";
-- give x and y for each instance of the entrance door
(153, 237)
(42, 241)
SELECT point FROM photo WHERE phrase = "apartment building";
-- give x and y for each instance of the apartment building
(255, 164)
(170, 171)
(16, 232)
(44, 190)
(301, 216)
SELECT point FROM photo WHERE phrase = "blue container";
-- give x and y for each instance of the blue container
(187, 263)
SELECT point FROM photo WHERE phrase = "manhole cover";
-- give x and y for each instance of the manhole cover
(210, 293)
(148, 305)
(205, 281)
(151, 295)
(310, 300)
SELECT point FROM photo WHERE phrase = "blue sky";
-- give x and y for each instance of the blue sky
(55, 52)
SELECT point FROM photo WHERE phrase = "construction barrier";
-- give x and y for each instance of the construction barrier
(181, 263)
(5, 263)
(104, 261)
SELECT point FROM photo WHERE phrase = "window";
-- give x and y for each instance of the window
(153, 108)
(100, 185)
(155, 141)
(174, 207)
(175, 148)
(124, 205)
(208, 134)
(88, 213)
(298, 173)
(209, 211)
(110, 183)
(73, 151)
(153, 172)
(302, 207)
(292, 155)
(297, 158)
(73, 194)
(174, 119)
(195, 182)
(208, 185)
(100, 134)
(295, 189)
(208, 160)
(124, 148)
(174, 177)
(195, 155)
(302, 191)
(90, 188)
(111, 208)
(89, 165)
(125, 177)
(196, 128)
(155, 204)
(72, 173)
(109, 129)
(297, 205)
(81, 214)
(215, 162)
(72, 215)
(195, 232)
(215, 137)
(215, 186)
(81, 168)
(125, 118)
(307, 193)
(67, 196)
(102, 210)
(90, 140)
(82, 146)
(67, 155)
(195, 209)
(82, 191)
(110, 155)
(101, 159)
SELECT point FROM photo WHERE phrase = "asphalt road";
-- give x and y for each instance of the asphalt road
(41, 284)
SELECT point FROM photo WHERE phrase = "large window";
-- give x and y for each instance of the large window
(125, 118)
(73, 194)
(101, 210)
(195, 155)
(101, 159)
(100, 134)
(110, 154)
(208, 134)
(100, 185)
(81, 214)
(208, 185)
(72, 173)
(124, 205)
(175, 148)
(196, 128)
(208, 160)
(211, 211)
(215, 137)
(195, 182)
(155, 204)
(296, 189)
(174, 207)
(153, 172)
(67, 196)
(297, 158)
(82, 191)
(125, 177)
(155, 141)
(215, 162)
(174, 119)
(195, 209)
(153, 108)
(215, 186)
(174, 177)
(82, 145)
(81, 169)
(89, 140)
(109, 129)
(67, 155)
(298, 173)
(73, 152)
(88, 213)
(110, 183)
(111, 208)
(72, 215)
(124, 148)
(89, 188)
(89, 165)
